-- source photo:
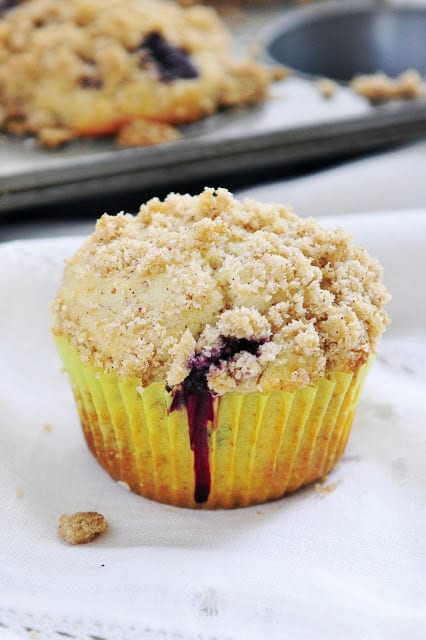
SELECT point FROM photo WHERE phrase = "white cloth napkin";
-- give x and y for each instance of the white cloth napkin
(345, 560)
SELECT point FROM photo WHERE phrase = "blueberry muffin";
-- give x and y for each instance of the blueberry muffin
(131, 68)
(217, 349)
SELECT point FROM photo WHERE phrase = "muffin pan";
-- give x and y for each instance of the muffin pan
(339, 41)
(296, 124)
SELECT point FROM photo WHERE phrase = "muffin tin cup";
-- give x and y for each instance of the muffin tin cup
(340, 40)
(261, 446)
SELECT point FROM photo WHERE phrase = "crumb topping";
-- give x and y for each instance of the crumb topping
(379, 87)
(150, 295)
(81, 527)
(144, 133)
(326, 87)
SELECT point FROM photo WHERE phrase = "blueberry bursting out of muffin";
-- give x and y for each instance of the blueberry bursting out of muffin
(196, 396)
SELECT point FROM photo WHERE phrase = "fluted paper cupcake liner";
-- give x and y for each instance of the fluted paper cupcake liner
(261, 446)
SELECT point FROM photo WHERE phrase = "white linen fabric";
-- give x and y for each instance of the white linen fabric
(345, 560)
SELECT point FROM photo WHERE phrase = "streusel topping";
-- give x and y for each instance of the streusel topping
(257, 297)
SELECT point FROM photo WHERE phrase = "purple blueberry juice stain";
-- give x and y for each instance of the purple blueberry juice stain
(173, 63)
(195, 395)
(200, 413)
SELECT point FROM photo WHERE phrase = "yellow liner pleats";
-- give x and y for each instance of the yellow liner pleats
(260, 445)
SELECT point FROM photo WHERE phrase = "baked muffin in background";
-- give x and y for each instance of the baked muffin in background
(131, 68)
(222, 3)
(217, 349)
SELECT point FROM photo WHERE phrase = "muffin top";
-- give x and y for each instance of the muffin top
(249, 294)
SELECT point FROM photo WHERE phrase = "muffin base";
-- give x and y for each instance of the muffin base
(262, 446)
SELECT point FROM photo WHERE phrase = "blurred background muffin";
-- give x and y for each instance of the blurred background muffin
(131, 68)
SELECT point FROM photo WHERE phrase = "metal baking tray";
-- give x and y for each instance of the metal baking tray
(295, 124)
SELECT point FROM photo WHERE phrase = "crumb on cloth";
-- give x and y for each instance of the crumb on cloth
(322, 489)
(81, 527)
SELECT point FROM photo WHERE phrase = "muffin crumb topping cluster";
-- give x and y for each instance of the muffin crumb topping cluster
(81, 527)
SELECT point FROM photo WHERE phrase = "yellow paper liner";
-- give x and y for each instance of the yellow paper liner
(261, 445)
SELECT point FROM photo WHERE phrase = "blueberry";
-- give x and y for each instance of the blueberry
(173, 63)
(232, 346)
(196, 381)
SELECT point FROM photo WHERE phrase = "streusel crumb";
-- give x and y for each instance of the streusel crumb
(143, 133)
(266, 299)
(81, 527)
(379, 87)
(326, 87)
